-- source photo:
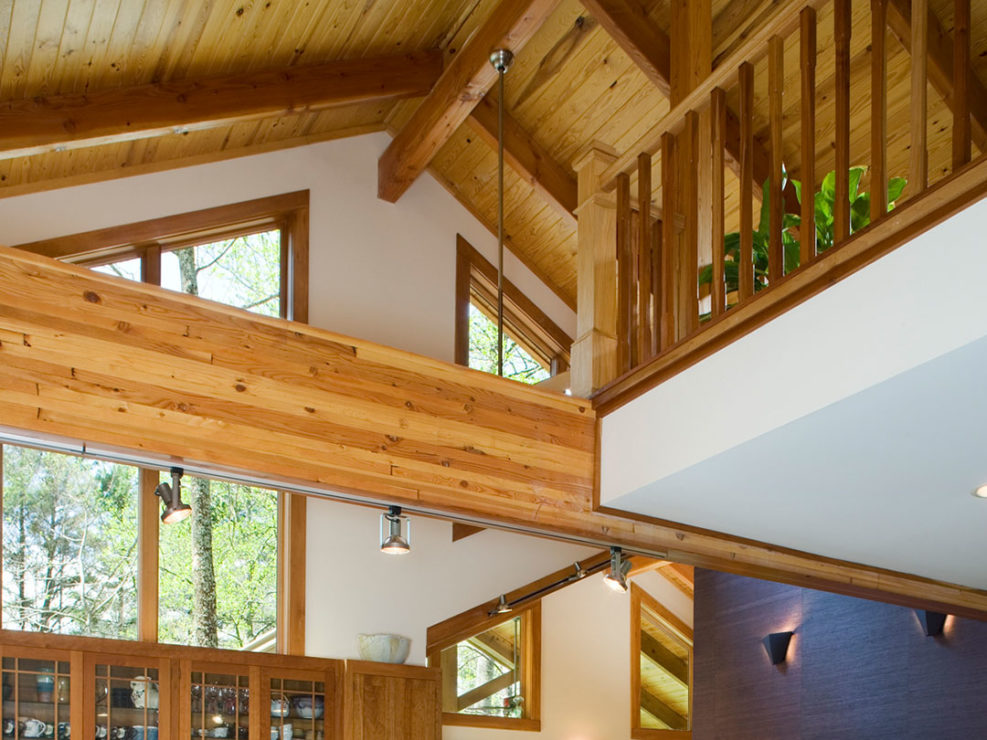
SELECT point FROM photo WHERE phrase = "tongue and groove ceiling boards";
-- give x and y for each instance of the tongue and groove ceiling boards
(586, 72)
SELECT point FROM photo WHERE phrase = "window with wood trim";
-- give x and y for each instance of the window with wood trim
(251, 255)
(535, 347)
(661, 670)
(491, 678)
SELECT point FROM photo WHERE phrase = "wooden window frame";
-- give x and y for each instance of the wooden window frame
(530, 668)
(524, 322)
(146, 240)
(640, 600)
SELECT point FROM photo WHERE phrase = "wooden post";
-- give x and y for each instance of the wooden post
(879, 110)
(745, 281)
(776, 80)
(718, 120)
(148, 512)
(961, 83)
(667, 272)
(842, 23)
(645, 348)
(919, 175)
(625, 283)
(594, 353)
(690, 243)
(807, 229)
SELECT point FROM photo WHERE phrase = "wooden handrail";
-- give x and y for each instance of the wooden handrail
(782, 21)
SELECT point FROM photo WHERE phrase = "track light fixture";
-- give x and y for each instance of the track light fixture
(391, 540)
(502, 606)
(171, 497)
(619, 568)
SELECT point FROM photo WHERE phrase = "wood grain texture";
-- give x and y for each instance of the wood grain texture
(856, 668)
(776, 82)
(148, 514)
(918, 174)
(842, 27)
(745, 278)
(718, 121)
(627, 22)
(391, 702)
(31, 126)
(465, 81)
(879, 110)
(178, 379)
(807, 67)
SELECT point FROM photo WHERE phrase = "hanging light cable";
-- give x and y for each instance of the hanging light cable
(501, 60)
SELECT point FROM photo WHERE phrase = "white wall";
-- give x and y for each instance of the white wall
(379, 271)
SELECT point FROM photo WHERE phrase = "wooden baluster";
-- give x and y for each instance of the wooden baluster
(961, 84)
(776, 86)
(625, 301)
(919, 175)
(657, 230)
(878, 110)
(841, 209)
(667, 321)
(807, 44)
(636, 319)
(690, 251)
(745, 282)
(644, 331)
(718, 124)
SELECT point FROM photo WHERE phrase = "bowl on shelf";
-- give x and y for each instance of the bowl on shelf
(383, 648)
(308, 707)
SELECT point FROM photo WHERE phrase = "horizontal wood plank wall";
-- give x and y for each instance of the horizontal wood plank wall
(91, 357)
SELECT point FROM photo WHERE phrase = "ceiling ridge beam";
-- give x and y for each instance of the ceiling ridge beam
(465, 81)
(527, 158)
(664, 658)
(41, 124)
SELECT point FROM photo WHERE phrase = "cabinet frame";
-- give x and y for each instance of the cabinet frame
(166, 709)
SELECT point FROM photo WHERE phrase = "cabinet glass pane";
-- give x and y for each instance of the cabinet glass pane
(220, 705)
(35, 698)
(297, 709)
(126, 702)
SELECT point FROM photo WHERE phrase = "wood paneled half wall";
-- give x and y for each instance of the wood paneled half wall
(174, 379)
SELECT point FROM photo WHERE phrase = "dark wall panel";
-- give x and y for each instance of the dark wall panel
(855, 669)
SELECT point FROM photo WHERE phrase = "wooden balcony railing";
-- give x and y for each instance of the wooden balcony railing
(725, 239)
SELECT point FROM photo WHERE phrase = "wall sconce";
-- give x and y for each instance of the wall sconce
(171, 497)
(932, 622)
(776, 645)
(391, 540)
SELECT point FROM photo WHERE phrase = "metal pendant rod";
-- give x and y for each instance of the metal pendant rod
(501, 60)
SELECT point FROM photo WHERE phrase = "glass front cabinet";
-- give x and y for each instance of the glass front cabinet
(127, 702)
(37, 693)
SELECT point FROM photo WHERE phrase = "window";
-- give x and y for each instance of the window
(661, 669)
(69, 544)
(491, 677)
(251, 255)
(535, 348)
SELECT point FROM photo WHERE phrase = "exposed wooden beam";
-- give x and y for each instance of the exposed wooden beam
(482, 692)
(627, 23)
(940, 65)
(661, 711)
(176, 379)
(664, 658)
(465, 81)
(35, 125)
(680, 576)
(528, 158)
(494, 645)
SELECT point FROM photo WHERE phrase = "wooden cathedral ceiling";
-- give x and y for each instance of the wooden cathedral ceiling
(571, 84)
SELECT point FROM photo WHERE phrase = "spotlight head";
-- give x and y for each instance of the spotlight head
(391, 540)
(616, 579)
(171, 497)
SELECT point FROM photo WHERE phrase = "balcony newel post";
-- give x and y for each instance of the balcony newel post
(594, 353)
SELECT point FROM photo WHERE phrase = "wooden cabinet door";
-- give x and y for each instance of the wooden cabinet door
(392, 702)
(219, 700)
(41, 686)
(305, 704)
(127, 694)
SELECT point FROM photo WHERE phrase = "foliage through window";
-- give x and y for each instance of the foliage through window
(69, 544)
(518, 364)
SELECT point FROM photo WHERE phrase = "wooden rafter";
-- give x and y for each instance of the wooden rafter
(661, 711)
(465, 81)
(940, 65)
(680, 576)
(528, 158)
(461, 531)
(664, 658)
(35, 125)
(494, 646)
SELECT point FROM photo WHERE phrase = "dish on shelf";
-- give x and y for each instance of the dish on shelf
(308, 707)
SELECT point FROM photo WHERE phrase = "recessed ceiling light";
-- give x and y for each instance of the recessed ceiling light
(980, 492)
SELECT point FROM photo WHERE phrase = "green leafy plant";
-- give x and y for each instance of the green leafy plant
(825, 201)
